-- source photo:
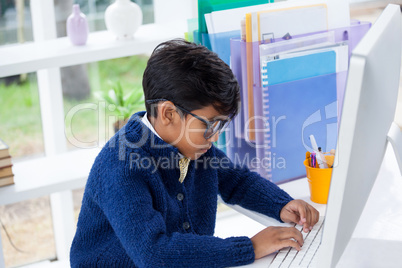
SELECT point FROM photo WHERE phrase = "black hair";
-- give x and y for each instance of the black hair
(191, 76)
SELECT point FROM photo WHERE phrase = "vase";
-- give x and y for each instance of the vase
(77, 27)
(123, 18)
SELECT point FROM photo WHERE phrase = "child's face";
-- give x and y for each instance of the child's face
(190, 135)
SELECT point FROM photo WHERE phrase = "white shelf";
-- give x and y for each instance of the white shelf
(30, 57)
(46, 175)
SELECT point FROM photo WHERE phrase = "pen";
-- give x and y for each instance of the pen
(313, 160)
(319, 156)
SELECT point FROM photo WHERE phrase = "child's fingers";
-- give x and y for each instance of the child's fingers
(290, 243)
(293, 217)
(292, 234)
(294, 242)
(312, 217)
(309, 219)
(273, 238)
(302, 214)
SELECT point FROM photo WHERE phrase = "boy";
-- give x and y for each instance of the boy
(151, 196)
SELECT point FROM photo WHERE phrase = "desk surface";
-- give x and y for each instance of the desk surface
(378, 228)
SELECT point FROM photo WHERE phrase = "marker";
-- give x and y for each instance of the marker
(313, 160)
(322, 163)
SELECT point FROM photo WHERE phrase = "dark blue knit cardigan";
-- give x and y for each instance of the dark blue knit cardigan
(135, 212)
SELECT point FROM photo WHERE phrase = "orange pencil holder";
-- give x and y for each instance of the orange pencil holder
(319, 180)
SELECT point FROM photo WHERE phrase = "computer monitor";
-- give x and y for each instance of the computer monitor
(366, 126)
(367, 116)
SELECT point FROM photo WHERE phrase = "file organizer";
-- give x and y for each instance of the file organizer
(208, 6)
(284, 160)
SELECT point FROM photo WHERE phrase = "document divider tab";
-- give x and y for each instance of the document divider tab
(352, 34)
(251, 61)
(269, 51)
(202, 38)
(292, 20)
(220, 44)
(236, 66)
(243, 58)
(240, 151)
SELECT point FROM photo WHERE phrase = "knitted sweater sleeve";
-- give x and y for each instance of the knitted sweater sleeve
(128, 204)
(238, 185)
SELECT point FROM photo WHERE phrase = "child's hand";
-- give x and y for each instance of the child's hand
(300, 212)
(273, 238)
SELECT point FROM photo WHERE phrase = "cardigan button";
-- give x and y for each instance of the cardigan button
(180, 196)
(186, 225)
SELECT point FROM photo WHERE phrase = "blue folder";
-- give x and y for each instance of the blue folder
(291, 69)
(300, 100)
(220, 44)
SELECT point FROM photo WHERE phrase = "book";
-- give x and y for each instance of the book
(5, 162)
(4, 149)
(5, 172)
(6, 181)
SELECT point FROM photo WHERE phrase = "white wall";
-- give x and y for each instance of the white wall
(171, 10)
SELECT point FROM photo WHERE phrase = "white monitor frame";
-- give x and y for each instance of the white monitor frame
(367, 117)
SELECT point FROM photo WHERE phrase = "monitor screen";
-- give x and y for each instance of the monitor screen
(367, 115)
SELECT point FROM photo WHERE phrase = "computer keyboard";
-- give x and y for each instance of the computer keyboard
(290, 257)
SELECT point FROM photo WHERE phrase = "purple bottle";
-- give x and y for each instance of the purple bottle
(77, 27)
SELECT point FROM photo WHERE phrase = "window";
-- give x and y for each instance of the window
(15, 22)
(91, 118)
(20, 118)
(27, 235)
(27, 232)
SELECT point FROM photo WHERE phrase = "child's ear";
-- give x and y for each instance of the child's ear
(167, 112)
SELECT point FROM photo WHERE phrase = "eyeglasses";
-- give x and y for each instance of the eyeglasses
(212, 127)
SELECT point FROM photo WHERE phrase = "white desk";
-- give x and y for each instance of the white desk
(377, 239)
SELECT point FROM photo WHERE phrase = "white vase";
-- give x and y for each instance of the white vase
(123, 18)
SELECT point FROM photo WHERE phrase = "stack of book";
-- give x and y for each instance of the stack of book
(6, 173)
